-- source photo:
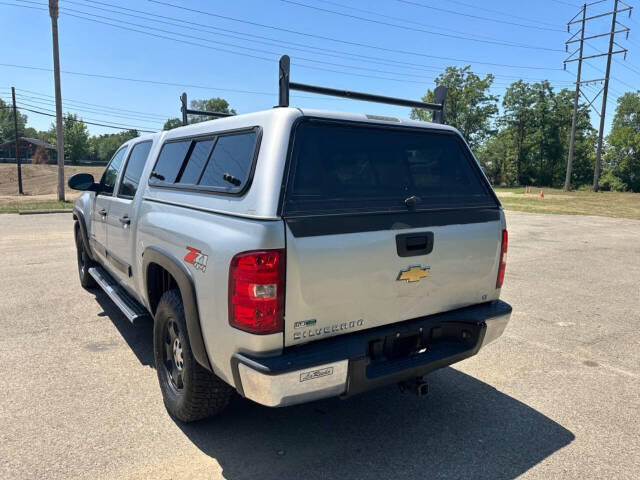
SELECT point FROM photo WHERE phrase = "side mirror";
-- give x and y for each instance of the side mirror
(82, 181)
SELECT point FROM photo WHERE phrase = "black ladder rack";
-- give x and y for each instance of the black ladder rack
(285, 85)
(187, 111)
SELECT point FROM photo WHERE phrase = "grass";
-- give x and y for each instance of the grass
(40, 187)
(604, 204)
(15, 207)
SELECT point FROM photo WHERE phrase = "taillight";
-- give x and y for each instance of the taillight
(503, 259)
(256, 291)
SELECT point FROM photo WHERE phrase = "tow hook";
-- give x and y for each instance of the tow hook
(417, 386)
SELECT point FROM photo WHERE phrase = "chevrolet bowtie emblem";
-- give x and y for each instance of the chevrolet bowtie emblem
(414, 273)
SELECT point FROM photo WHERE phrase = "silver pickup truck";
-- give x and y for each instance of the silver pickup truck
(293, 254)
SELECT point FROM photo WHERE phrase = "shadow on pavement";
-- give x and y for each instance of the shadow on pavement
(463, 429)
(139, 337)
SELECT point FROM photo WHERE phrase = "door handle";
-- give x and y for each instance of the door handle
(414, 244)
(125, 220)
(102, 212)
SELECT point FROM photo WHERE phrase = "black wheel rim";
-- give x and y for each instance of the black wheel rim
(82, 258)
(173, 359)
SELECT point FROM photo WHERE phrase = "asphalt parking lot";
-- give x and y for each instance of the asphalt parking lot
(558, 396)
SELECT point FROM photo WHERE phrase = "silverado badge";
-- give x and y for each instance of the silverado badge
(413, 273)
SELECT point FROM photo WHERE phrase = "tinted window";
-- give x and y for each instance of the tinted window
(196, 162)
(133, 170)
(231, 159)
(169, 161)
(110, 175)
(348, 168)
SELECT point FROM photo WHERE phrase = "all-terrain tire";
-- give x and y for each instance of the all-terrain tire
(84, 262)
(190, 392)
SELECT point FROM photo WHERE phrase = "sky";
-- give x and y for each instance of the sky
(216, 48)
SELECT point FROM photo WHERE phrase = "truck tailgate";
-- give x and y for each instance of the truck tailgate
(346, 282)
(384, 224)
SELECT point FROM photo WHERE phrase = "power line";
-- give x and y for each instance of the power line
(106, 108)
(478, 17)
(421, 30)
(403, 80)
(510, 15)
(272, 41)
(347, 42)
(278, 42)
(118, 127)
(385, 15)
(250, 55)
(68, 111)
(628, 67)
(566, 3)
(48, 102)
(102, 107)
(139, 80)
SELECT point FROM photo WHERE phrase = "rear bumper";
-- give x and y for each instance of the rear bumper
(360, 361)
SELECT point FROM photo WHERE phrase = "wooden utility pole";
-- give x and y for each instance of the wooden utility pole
(15, 130)
(53, 13)
(567, 179)
(605, 91)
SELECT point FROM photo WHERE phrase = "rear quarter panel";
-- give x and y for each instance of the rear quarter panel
(219, 237)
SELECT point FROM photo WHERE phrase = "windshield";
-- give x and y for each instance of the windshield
(348, 168)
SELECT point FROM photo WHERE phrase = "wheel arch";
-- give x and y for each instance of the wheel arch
(154, 257)
(78, 216)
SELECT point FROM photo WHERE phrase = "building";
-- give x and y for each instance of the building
(28, 148)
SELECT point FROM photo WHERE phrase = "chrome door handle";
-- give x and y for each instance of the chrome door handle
(125, 220)
(103, 212)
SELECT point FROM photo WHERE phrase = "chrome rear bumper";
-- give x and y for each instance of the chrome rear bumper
(299, 386)
(351, 365)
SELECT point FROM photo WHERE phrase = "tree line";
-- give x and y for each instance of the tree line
(78, 144)
(520, 139)
(524, 139)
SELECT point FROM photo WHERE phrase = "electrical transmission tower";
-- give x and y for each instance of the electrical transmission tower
(579, 37)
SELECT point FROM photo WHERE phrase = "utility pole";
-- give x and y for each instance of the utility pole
(15, 129)
(605, 89)
(567, 180)
(53, 13)
(596, 171)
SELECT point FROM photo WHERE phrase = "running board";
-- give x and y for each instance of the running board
(128, 305)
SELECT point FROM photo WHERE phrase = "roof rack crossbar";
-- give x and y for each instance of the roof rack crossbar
(285, 85)
(188, 111)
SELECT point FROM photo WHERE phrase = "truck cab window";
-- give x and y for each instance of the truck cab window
(110, 175)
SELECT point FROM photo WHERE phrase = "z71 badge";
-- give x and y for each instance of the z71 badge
(196, 258)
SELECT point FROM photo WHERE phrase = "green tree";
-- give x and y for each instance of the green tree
(103, 147)
(75, 135)
(6, 122)
(172, 123)
(532, 144)
(517, 124)
(496, 156)
(219, 105)
(623, 153)
(469, 107)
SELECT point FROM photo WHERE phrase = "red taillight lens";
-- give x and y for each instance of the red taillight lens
(503, 259)
(256, 291)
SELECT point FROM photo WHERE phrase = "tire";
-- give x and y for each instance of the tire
(84, 262)
(189, 391)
